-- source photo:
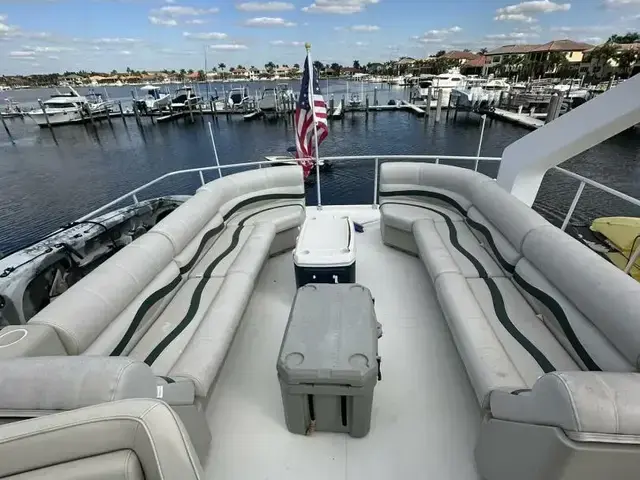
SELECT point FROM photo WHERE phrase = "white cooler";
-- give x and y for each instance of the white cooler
(325, 251)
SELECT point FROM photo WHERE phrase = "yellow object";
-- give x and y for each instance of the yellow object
(624, 235)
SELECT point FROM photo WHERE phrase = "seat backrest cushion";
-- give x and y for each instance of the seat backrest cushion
(451, 186)
(125, 330)
(249, 189)
(88, 307)
(120, 465)
(512, 218)
(45, 384)
(601, 303)
(181, 225)
(149, 428)
(494, 241)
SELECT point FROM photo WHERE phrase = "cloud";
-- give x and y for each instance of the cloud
(21, 54)
(583, 29)
(196, 21)
(228, 46)
(265, 6)
(114, 40)
(620, 3)
(182, 11)
(124, 52)
(511, 36)
(40, 49)
(362, 44)
(53, 57)
(364, 28)
(593, 40)
(437, 36)
(268, 22)
(514, 17)
(534, 7)
(282, 43)
(340, 7)
(167, 22)
(205, 35)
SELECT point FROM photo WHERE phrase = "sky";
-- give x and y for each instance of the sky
(42, 36)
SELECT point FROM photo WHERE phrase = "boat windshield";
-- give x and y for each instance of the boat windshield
(424, 84)
(60, 105)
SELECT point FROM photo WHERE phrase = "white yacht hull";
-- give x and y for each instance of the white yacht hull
(475, 97)
(65, 117)
(423, 94)
(157, 104)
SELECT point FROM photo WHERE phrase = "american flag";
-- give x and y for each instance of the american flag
(305, 142)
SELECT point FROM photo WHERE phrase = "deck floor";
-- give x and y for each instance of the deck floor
(425, 417)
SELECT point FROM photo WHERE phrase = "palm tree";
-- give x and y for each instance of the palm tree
(190, 71)
(482, 51)
(222, 66)
(356, 64)
(269, 66)
(183, 73)
(296, 65)
(625, 59)
(201, 75)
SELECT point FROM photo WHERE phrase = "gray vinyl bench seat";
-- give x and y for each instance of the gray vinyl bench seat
(173, 298)
(548, 331)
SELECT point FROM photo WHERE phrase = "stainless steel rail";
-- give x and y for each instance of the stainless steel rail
(473, 160)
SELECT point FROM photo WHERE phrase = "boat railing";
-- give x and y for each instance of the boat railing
(473, 162)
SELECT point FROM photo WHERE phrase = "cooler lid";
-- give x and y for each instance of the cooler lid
(325, 241)
(331, 337)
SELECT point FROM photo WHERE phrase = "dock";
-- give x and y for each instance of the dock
(252, 115)
(522, 119)
(412, 108)
(337, 112)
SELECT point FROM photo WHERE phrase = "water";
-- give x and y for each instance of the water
(47, 182)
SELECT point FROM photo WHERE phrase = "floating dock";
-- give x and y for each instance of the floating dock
(412, 108)
(518, 118)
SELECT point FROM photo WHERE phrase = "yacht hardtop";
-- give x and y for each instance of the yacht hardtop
(509, 349)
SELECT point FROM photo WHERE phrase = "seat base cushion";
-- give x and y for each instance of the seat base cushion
(447, 246)
(531, 347)
(284, 216)
(401, 215)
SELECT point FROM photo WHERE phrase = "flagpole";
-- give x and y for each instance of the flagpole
(315, 125)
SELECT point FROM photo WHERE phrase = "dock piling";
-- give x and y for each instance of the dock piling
(190, 110)
(448, 108)
(200, 109)
(121, 112)
(439, 106)
(375, 96)
(4, 124)
(46, 115)
(366, 106)
(429, 99)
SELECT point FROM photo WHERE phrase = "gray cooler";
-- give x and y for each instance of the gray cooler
(328, 363)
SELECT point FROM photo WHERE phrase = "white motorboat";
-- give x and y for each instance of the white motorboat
(396, 80)
(290, 159)
(444, 82)
(510, 348)
(355, 100)
(237, 97)
(286, 93)
(269, 103)
(185, 98)
(4, 88)
(154, 98)
(11, 109)
(71, 107)
(407, 81)
(481, 96)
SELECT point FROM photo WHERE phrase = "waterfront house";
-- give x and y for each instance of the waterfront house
(537, 60)
(600, 63)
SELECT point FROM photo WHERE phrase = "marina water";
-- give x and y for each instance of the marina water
(48, 180)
